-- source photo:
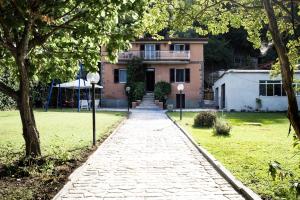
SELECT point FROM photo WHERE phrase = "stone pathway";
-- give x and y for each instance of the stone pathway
(147, 158)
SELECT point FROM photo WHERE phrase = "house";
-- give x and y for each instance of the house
(175, 60)
(249, 90)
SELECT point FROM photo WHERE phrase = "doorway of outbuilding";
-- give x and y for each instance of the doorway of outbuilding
(223, 93)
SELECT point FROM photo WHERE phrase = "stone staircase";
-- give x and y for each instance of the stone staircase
(148, 102)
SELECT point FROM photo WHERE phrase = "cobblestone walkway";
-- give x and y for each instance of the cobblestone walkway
(148, 158)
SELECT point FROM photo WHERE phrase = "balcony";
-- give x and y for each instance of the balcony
(156, 56)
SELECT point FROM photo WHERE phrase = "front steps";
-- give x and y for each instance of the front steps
(148, 103)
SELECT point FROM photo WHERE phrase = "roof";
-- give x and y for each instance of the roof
(75, 84)
(230, 71)
(190, 40)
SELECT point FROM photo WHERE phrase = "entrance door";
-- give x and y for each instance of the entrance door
(223, 96)
(178, 100)
(217, 97)
(149, 51)
(150, 80)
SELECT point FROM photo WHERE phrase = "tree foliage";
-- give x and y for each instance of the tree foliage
(281, 18)
(218, 53)
(44, 40)
(136, 73)
(63, 32)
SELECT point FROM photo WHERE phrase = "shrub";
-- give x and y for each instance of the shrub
(161, 90)
(6, 102)
(136, 71)
(139, 90)
(221, 127)
(205, 119)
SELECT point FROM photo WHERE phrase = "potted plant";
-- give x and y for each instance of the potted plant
(258, 103)
(161, 91)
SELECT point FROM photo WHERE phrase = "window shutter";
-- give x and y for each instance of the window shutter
(116, 75)
(157, 47)
(172, 47)
(172, 75)
(187, 47)
(187, 75)
(142, 47)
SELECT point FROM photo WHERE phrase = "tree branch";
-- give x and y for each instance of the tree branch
(245, 6)
(69, 12)
(20, 11)
(8, 91)
(286, 10)
(8, 41)
(40, 39)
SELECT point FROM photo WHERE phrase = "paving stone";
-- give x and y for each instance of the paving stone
(148, 158)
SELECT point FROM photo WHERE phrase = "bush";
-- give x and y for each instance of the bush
(139, 90)
(6, 102)
(221, 127)
(205, 119)
(161, 90)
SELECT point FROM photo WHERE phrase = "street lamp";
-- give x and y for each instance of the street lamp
(180, 88)
(93, 78)
(127, 91)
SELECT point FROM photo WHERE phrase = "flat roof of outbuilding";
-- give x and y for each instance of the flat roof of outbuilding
(249, 71)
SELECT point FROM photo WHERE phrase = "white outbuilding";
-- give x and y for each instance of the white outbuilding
(250, 90)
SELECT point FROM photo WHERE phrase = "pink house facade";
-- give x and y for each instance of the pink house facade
(172, 60)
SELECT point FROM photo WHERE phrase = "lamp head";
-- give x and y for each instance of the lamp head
(180, 87)
(93, 77)
(127, 89)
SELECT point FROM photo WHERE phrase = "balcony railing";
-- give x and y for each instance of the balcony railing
(155, 55)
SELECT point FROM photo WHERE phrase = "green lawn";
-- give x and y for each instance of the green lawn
(66, 140)
(249, 149)
(59, 131)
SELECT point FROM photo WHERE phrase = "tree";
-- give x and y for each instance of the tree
(218, 54)
(280, 17)
(42, 40)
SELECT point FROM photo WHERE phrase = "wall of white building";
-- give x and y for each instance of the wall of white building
(242, 89)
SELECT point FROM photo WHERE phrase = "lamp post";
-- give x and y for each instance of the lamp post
(127, 91)
(93, 78)
(180, 88)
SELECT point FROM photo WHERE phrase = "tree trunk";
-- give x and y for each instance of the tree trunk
(30, 132)
(286, 72)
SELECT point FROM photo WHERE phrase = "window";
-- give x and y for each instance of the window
(237, 60)
(149, 51)
(262, 89)
(120, 75)
(180, 75)
(297, 88)
(274, 88)
(179, 47)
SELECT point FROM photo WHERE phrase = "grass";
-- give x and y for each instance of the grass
(249, 149)
(66, 139)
